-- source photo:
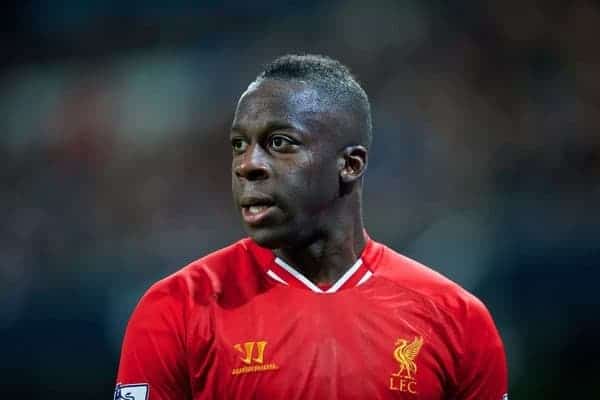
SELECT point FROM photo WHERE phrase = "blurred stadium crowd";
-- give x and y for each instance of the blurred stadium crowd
(114, 118)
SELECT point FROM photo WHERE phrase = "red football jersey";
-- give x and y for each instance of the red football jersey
(240, 323)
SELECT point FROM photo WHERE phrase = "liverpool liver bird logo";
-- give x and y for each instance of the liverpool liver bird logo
(405, 353)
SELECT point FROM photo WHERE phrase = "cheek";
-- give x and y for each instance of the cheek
(234, 182)
(313, 184)
(322, 174)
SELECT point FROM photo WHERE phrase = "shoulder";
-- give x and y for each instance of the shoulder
(207, 278)
(430, 285)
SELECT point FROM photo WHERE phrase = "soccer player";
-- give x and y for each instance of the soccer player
(308, 306)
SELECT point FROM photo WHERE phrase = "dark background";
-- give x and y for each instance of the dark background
(115, 162)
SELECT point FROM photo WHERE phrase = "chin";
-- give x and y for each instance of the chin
(268, 238)
(277, 238)
(273, 236)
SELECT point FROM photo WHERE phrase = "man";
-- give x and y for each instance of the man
(307, 307)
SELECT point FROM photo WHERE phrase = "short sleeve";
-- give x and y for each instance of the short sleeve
(153, 363)
(483, 373)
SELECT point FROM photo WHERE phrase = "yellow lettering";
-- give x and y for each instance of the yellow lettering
(246, 351)
(260, 351)
(253, 357)
(403, 385)
(412, 387)
(254, 368)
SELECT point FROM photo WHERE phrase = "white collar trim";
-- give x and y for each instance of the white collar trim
(334, 288)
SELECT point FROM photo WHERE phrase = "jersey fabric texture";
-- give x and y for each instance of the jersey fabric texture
(241, 323)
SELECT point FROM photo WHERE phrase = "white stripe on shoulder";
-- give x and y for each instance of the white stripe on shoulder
(276, 277)
(365, 278)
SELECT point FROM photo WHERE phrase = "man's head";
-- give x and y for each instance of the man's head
(300, 137)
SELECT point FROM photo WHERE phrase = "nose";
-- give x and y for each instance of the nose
(252, 165)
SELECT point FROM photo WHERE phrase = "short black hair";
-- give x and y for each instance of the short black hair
(328, 75)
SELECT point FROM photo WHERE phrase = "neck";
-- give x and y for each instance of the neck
(325, 259)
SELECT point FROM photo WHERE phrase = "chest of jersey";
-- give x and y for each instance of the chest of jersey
(369, 342)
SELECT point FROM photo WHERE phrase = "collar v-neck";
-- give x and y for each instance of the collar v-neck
(280, 272)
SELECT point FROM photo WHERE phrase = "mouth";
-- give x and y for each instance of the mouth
(256, 209)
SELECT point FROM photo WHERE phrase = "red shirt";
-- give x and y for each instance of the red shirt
(242, 324)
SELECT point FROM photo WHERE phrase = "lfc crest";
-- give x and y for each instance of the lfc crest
(405, 353)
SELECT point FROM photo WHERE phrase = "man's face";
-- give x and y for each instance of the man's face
(285, 174)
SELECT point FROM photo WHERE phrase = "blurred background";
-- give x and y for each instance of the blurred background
(114, 118)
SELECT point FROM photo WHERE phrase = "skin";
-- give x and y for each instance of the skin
(302, 154)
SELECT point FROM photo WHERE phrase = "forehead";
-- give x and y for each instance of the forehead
(293, 102)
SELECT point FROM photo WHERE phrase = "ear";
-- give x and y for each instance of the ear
(353, 163)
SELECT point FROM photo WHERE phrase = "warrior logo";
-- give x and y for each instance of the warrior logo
(252, 357)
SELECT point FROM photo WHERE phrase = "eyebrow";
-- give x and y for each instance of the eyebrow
(271, 126)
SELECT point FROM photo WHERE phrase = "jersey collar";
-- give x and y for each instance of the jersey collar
(280, 272)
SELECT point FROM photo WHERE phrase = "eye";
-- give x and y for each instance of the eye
(282, 143)
(239, 145)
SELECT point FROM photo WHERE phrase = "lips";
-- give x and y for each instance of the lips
(256, 208)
